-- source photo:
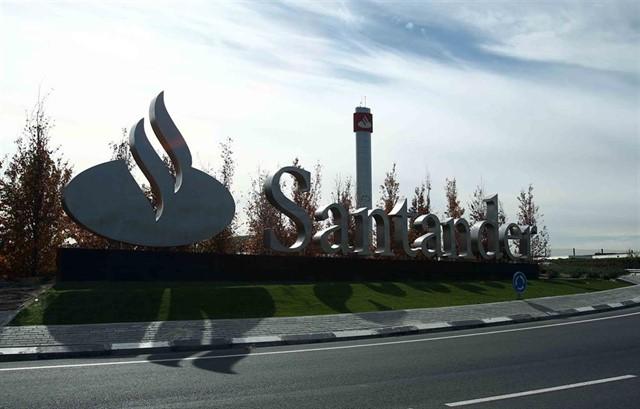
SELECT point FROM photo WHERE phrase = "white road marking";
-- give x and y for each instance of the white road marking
(296, 351)
(538, 391)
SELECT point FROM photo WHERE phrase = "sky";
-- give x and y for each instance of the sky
(502, 94)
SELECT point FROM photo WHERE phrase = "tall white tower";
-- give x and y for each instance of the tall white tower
(363, 127)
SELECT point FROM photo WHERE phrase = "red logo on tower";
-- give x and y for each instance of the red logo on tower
(362, 121)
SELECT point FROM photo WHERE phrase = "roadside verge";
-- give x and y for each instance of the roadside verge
(64, 341)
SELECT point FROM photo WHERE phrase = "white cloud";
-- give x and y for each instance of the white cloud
(599, 35)
(283, 81)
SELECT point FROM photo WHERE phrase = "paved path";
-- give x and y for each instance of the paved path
(191, 334)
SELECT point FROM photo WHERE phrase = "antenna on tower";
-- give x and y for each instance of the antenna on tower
(365, 100)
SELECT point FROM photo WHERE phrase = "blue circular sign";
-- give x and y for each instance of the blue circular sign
(519, 282)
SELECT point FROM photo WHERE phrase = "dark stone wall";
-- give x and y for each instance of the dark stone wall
(127, 265)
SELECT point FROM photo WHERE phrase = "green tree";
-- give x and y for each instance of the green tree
(33, 222)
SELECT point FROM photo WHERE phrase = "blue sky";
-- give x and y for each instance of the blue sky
(499, 93)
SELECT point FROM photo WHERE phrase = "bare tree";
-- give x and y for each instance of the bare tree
(390, 196)
(421, 201)
(225, 241)
(78, 235)
(308, 200)
(120, 149)
(260, 216)
(529, 215)
(4, 262)
(478, 208)
(343, 194)
(478, 212)
(420, 204)
(454, 209)
(30, 198)
(390, 190)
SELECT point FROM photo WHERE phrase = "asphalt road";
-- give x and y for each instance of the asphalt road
(588, 362)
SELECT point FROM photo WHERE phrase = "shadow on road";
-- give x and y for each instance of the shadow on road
(238, 301)
(384, 318)
(62, 308)
(161, 302)
(223, 364)
(103, 305)
(335, 295)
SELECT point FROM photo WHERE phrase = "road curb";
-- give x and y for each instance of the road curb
(186, 345)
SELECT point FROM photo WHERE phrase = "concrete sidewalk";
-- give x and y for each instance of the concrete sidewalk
(141, 337)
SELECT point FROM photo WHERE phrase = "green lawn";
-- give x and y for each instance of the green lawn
(78, 303)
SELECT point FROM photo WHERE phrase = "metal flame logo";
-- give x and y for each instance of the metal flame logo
(364, 122)
(191, 207)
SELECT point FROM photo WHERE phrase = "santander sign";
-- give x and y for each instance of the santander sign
(194, 206)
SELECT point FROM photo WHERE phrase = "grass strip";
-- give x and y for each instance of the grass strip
(103, 302)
